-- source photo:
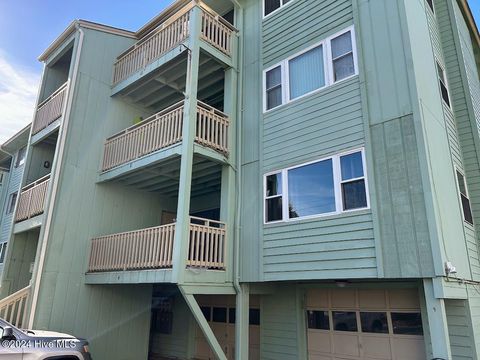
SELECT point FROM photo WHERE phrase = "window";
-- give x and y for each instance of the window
(326, 186)
(162, 315)
(273, 197)
(430, 5)
(219, 314)
(322, 65)
(207, 312)
(254, 317)
(344, 321)
(3, 251)
(374, 322)
(318, 320)
(11, 203)
(274, 87)
(306, 72)
(353, 181)
(462, 187)
(272, 5)
(443, 84)
(20, 160)
(231, 315)
(407, 323)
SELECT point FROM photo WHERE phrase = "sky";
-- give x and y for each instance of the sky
(28, 27)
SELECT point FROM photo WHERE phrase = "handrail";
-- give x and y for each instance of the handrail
(147, 120)
(13, 307)
(53, 95)
(211, 108)
(36, 182)
(207, 222)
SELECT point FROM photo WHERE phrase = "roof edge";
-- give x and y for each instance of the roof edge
(85, 24)
(471, 20)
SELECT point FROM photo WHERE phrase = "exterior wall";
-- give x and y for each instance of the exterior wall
(83, 209)
(460, 330)
(474, 312)
(12, 184)
(459, 93)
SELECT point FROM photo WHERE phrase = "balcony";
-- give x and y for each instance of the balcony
(163, 130)
(50, 109)
(152, 248)
(215, 31)
(32, 199)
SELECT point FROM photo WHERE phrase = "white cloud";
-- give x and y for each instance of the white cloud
(18, 92)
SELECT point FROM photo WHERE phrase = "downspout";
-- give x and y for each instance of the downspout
(56, 178)
(236, 277)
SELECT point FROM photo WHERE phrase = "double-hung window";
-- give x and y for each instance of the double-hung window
(464, 198)
(443, 84)
(11, 203)
(20, 160)
(322, 65)
(269, 6)
(327, 186)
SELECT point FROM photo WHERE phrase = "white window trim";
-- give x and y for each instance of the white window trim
(460, 194)
(439, 64)
(282, 6)
(337, 188)
(432, 11)
(328, 69)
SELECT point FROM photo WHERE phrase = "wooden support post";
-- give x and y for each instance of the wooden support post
(437, 323)
(203, 324)
(182, 229)
(242, 326)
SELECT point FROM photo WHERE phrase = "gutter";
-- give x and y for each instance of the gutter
(55, 178)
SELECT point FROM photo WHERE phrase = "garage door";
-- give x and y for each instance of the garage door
(220, 314)
(364, 324)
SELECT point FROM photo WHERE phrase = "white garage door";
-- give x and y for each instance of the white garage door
(364, 324)
(220, 314)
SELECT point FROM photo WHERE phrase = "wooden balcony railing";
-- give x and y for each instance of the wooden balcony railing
(50, 109)
(214, 30)
(152, 248)
(32, 199)
(163, 130)
(13, 307)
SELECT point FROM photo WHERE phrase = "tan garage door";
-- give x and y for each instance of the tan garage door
(364, 324)
(220, 313)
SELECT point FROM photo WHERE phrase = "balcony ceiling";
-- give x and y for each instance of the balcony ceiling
(163, 178)
(166, 85)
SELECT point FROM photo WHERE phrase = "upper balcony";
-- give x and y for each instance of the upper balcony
(31, 203)
(49, 110)
(159, 137)
(171, 38)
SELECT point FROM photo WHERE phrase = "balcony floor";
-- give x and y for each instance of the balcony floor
(161, 173)
(130, 277)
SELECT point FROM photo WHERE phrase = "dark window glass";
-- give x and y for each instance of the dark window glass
(443, 84)
(274, 87)
(344, 321)
(274, 185)
(462, 187)
(318, 320)
(219, 314)
(311, 189)
(230, 16)
(374, 322)
(207, 312)
(271, 5)
(11, 204)
(231, 316)
(3, 249)
(354, 195)
(407, 323)
(254, 316)
(21, 157)
(430, 5)
(273, 209)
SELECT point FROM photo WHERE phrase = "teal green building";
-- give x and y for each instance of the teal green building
(257, 179)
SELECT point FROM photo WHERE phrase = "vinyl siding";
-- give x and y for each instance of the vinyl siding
(12, 184)
(474, 312)
(279, 334)
(460, 330)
